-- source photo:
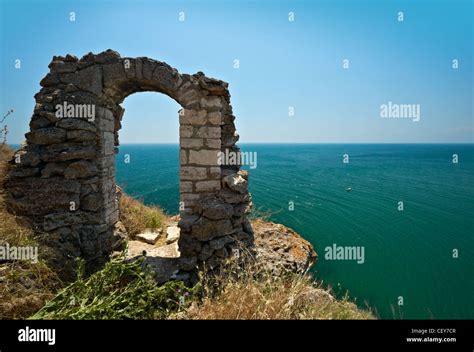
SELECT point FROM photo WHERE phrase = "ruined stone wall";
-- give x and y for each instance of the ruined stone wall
(63, 178)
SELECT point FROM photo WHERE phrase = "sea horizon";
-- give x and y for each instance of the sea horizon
(302, 143)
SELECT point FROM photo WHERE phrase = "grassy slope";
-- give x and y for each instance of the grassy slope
(137, 217)
(234, 294)
(253, 293)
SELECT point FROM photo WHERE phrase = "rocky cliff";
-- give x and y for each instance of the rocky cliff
(277, 248)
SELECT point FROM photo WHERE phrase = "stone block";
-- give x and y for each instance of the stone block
(193, 173)
(192, 143)
(36, 196)
(186, 131)
(46, 136)
(205, 230)
(184, 197)
(214, 118)
(76, 124)
(208, 186)
(193, 117)
(88, 79)
(215, 173)
(172, 234)
(208, 132)
(236, 183)
(211, 102)
(53, 169)
(213, 143)
(80, 169)
(185, 187)
(183, 157)
(68, 152)
(81, 136)
(203, 157)
(108, 143)
(91, 202)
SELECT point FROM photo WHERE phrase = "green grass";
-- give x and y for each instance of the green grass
(122, 290)
(137, 217)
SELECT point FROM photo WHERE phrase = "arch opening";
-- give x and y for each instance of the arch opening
(70, 159)
(147, 176)
(147, 162)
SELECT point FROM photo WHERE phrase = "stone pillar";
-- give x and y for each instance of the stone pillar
(215, 196)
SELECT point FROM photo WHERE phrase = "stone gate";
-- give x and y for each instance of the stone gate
(63, 178)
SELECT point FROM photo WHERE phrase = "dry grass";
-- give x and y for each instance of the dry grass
(254, 293)
(25, 288)
(137, 217)
(11, 230)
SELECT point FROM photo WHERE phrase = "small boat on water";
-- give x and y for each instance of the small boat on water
(348, 189)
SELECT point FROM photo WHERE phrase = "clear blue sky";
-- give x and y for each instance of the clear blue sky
(282, 63)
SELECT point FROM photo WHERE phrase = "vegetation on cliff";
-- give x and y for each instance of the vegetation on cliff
(137, 217)
(121, 290)
(127, 290)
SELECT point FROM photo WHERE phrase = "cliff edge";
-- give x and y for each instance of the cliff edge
(279, 247)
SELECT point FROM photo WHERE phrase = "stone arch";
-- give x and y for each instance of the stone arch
(63, 178)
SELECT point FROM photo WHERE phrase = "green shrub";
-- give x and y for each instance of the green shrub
(122, 290)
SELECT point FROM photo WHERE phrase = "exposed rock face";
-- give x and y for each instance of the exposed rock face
(277, 248)
(149, 237)
(164, 261)
(63, 179)
(172, 234)
(280, 248)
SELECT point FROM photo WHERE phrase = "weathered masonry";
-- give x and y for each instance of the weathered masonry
(63, 177)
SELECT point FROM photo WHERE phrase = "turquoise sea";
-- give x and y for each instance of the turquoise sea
(408, 253)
